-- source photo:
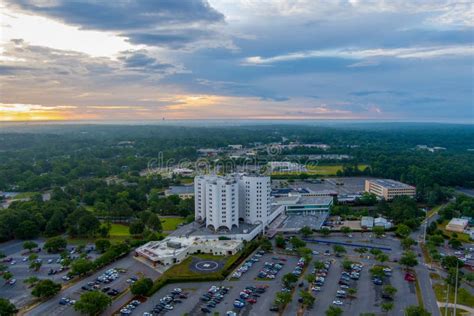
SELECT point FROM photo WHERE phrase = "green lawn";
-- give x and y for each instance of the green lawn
(459, 311)
(464, 297)
(24, 195)
(323, 170)
(171, 223)
(119, 230)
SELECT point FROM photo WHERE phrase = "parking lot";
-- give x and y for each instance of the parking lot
(368, 296)
(195, 291)
(18, 265)
(126, 267)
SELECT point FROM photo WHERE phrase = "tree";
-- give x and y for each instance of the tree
(31, 281)
(361, 250)
(346, 230)
(375, 251)
(455, 243)
(27, 230)
(154, 223)
(289, 279)
(55, 244)
(451, 278)
(280, 241)
(333, 311)
(310, 278)
(346, 264)
(88, 225)
(338, 249)
(387, 306)
(46, 288)
(136, 227)
(451, 262)
(408, 259)
(308, 299)
(297, 243)
(7, 275)
(378, 231)
(102, 245)
(81, 266)
(282, 298)
(92, 303)
(382, 258)
(266, 245)
(318, 265)
(389, 290)
(306, 231)
(416, 311)
(7, 308)
(29, 245)
(142, 286)
(407, 243)
(325, 231)
(377, 271)
(35, 264)
(403, 231)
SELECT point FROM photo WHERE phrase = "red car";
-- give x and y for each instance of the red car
(251, 300)
(410, 277)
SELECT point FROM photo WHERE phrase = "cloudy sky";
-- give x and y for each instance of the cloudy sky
(236, 59)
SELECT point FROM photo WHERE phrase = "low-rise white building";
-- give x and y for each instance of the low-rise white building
(457, 225)
(382, 222)
(172, 250)
(367, 222)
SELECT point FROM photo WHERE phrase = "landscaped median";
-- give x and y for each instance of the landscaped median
(184, 273)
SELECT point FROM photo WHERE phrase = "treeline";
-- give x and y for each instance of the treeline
(40, 157)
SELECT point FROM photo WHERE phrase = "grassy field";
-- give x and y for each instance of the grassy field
(323, 170)
(461, 236)
(464, 297)
(118, 233)
(171, 223)
(24, 195)
(459, 311)
(119, 230)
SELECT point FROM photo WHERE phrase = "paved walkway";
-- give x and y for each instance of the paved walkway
(464, 307)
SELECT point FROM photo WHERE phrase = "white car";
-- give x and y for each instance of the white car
(337, 302)
(316, 289)
(24, 259)
(315, 252)
(13, 262)
(231, 313)
(50, 261)
(169, 307)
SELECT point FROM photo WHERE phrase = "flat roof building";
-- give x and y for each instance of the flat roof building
(183, 191)
(389, 189)
(367, 222)
(173, 250)
(457, 225)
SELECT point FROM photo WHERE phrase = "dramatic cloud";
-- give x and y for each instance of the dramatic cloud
(149, 59)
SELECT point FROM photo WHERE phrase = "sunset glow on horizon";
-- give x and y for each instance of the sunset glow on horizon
(236, 60)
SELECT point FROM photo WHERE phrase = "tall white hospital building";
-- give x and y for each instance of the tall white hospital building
(221, 201)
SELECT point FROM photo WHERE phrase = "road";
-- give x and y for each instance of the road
(423, 275)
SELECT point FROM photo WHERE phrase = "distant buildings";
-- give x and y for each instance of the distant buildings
(430, 149)
(368, 222)
(183, 191)
(221, 202)
(388, 189)
(305, 205)
(285, 166)
(457, 225)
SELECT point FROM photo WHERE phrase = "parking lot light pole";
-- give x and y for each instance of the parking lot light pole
(456, 288)
(447, 301)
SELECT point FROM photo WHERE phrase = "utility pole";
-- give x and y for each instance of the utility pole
(447, 301)
(456, 288)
